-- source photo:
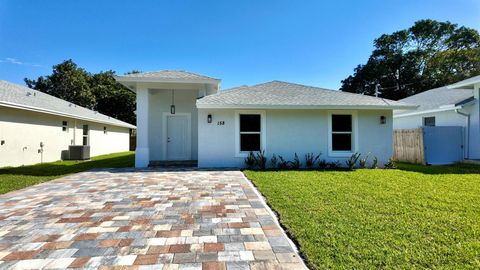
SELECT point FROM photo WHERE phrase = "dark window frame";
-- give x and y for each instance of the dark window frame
(427, 119)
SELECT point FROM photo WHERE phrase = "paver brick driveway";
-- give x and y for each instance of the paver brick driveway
(142, 220)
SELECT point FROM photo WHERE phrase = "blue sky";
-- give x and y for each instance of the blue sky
(241, 42)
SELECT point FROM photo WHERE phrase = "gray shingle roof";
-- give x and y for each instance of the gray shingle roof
(467, 83)
(436, 98)
(14, 95)
(170, 74)
(284, 94)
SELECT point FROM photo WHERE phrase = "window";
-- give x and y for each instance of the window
(341, 133)
(250, 132)
(429, 121)
(85, 135)
(65, 126)
(104, 130)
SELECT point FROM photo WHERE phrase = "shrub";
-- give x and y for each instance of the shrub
(334, 165)
(274, 161)
(296, 164)
(390, 164)
(352, 161)
(375, 163)
(323, 164)
(310, 160)
(250, 161)
(261, 160)
(362, 164)
(283, 164)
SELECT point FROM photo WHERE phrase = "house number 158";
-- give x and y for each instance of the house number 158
(220, 123)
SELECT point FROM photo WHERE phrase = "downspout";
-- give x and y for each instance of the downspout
(467, 132)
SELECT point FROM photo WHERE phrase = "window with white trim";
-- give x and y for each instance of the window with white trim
(342, 132)
(250, 132)
(85, 133)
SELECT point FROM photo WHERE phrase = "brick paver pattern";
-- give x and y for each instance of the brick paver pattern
(142, 220)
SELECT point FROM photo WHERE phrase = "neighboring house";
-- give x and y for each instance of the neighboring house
(184, 116)
(30, 118)
(454, 105)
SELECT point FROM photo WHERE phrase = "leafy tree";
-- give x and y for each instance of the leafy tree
(98, 91)
(68, 82)
(427, 55)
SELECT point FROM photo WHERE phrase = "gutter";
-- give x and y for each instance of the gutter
(467, 133)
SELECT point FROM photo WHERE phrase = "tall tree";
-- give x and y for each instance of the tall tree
(427, 55)
(68, 82)
(98, 91)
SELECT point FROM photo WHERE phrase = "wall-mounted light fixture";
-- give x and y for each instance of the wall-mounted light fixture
(209, 118)
(383, 120)
(172, 107)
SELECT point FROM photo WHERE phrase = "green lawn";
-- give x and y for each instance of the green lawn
(412, 217)
(13, 178)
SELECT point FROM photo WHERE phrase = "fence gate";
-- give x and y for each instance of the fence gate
(443, 145)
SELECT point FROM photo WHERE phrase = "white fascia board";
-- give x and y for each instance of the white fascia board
(444, 109)
(52, 112)
(305, 107)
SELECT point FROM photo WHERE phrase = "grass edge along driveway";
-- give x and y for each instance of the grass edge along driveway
(411, 217)
(14, 178)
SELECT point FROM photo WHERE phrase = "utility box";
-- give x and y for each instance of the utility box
(79, 152)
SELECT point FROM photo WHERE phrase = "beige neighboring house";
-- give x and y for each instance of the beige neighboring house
(36, 127)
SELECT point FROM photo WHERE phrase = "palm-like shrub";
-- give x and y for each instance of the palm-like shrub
(311, 160)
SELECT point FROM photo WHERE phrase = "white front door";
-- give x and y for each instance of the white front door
(177, 137)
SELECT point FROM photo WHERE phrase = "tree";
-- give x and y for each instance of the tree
(98, 91)
(68, 82)
(427, 55)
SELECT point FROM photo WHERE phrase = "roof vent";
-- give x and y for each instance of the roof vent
(29, 94)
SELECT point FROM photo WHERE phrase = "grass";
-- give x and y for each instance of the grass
(412, 217)
(13, 178)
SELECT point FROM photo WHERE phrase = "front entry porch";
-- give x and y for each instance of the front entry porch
(167, 116)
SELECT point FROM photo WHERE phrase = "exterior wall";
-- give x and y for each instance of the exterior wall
(446, 118)
(287, 132)
(22, 131)
(159, 104)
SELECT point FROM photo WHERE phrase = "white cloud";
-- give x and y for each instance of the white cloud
(14, 61)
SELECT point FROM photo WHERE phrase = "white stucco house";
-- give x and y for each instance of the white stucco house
(185, 116)
(455, 105)
(36, 127)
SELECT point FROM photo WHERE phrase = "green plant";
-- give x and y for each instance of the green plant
(390, 164)
(323, 164)
(261, 160)
(374, 163)
(274, 161)
(334, 165)
(282, 163)
(250, 161)
(310, 160)
(352, 161)
(362, 163)
(296, 164)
